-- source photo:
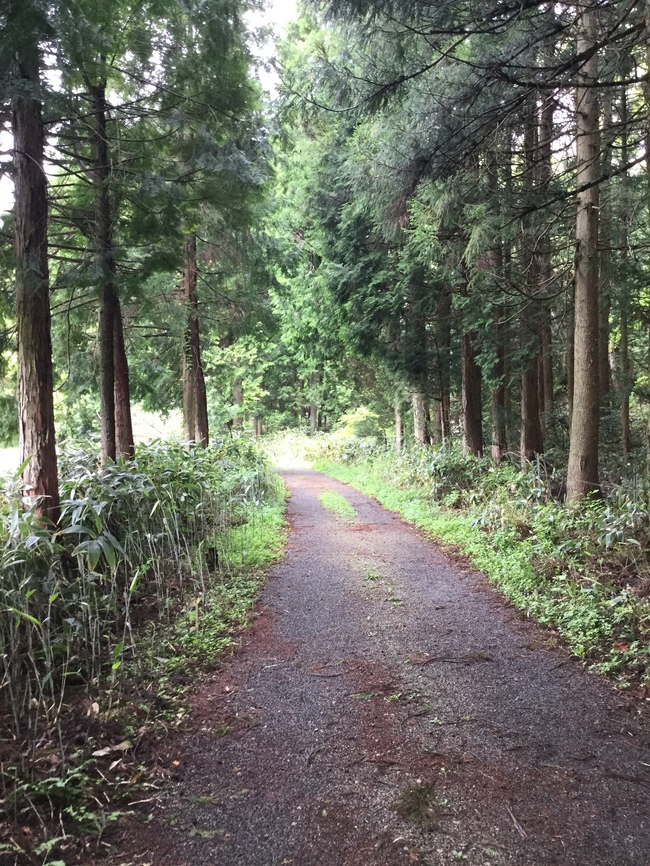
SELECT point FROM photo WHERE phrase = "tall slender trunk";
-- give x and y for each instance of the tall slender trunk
(196, 381)
(189, 404)
(624, 351)
(471, 396)
(420, 431)
(106, 271)
(546, 268)
(443, 340)
(399, 425)
(531, 429)
(35, 376)
(582, 476)
(313, 406)
(124, 444)
(605, 251)
(498, 401)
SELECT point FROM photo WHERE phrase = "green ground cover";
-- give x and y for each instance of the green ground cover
(582, 571)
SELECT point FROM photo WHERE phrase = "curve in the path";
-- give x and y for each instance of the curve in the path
(388, 708)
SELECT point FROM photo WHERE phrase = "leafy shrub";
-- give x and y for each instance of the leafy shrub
(133, 535)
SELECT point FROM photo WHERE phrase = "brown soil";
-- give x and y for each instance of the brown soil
(352, 696)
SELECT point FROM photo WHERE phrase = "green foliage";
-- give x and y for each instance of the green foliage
(155, 566)
(584, 571)
(133, 533)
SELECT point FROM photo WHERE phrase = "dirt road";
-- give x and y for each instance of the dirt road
(388, 708)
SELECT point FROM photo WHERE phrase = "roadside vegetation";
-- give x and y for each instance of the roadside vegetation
(108, 617)
(583, 570)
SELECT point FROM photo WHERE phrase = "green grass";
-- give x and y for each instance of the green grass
(338, 504)
(597, 623)
(212, 620)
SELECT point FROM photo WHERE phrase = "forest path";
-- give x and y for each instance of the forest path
(379, 673)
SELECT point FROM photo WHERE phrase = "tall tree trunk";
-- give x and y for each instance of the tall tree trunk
(546, 268)
(582, 476)
(498, 401)
(399, 425)
(605, 251)
(189, 404)
(420, 431)
(35, 376)
(124, 444)
(313, 406)
(531, 429)
(106, 271)
(471, 397)
(443, 340)
(624, 351)
(195, 373)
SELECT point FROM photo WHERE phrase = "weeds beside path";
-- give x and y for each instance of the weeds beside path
(581, 571)
(387, 708)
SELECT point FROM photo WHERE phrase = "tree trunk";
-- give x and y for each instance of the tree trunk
(196, 379)
(605, 251)
(471, 397)
(546, 268)
(399, 425)
(106, 271)
(124, 444)
(531, 429)
(313, 405)
(624, 352)
(582, 476)
(498, 402)
(420, 432)
(443, 340)
(189, 405)
(35, 376)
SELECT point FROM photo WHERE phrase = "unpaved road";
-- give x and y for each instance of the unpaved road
(379, 674)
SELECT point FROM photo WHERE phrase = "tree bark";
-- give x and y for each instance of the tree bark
(471, 397)
(531, 442)
(399, 425)
(35, 375)
(124, 444)
(106, 271)
(420, 432)
(443, 340)
(498, 402)
(605, 251)
(624, 352)
(189, 405)
(545, 154)
(197, 403)
(582, 476)
(313, 406)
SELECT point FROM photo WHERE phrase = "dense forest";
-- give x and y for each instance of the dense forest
(433, 234)
(440, 217)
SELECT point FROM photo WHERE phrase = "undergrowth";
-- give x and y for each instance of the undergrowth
(107, 619)
(583, 570)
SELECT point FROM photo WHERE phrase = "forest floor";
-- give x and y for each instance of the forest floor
(388, 707)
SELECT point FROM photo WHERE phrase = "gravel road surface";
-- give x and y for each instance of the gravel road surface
(388, 708)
